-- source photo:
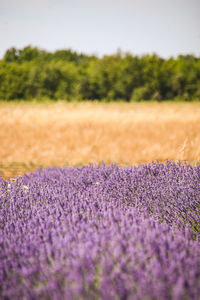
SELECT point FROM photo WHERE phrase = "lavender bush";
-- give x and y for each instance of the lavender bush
(101, 232)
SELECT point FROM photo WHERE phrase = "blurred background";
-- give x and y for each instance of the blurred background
(111, 50)
(91, 81)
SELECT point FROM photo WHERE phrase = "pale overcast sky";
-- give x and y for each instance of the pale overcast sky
(166, 27)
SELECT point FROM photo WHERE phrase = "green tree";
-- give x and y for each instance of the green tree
(65, 74)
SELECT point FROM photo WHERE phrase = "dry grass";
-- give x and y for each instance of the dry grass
(79, 133)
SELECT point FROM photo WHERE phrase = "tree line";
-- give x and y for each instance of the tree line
(33, 73)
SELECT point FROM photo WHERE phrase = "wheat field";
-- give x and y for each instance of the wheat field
(39, 134)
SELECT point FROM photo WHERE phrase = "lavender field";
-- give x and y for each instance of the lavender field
(101, 232)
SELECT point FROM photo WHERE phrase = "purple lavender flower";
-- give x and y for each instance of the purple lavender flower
(101, 232)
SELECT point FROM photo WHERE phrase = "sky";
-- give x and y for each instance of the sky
(165, 27)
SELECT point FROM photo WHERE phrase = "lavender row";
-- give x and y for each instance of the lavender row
(101, 232)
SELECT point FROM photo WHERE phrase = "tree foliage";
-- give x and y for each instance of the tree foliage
(65, 74)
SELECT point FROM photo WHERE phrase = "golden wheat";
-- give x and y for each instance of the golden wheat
(126, 133)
